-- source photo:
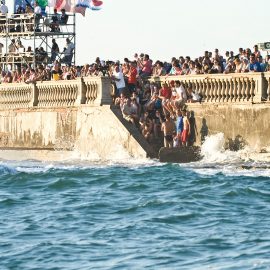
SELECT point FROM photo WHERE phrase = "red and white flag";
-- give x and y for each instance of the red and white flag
(76, 6)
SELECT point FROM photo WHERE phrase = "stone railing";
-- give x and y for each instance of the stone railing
(89, 91)
(63, 94)
(267, 85)
(16, 95)
(219, 88)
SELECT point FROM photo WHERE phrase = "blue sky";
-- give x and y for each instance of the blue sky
(170, 28)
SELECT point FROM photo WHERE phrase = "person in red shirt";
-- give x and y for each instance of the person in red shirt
(132, 77)
(165, 94)
(146, 67)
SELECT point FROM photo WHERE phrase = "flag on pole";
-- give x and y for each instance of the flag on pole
(76, 6)
(42, 3)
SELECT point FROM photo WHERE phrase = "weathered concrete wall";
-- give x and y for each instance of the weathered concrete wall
(246, 123)
(89, 129)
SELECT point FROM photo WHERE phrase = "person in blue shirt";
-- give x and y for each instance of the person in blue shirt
(254, 65)
(179, 125)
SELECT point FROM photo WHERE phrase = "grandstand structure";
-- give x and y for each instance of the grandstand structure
(26, 40)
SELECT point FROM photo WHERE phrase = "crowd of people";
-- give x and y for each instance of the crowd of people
(159, 110)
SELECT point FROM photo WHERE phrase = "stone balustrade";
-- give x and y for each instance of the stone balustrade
(61, 94)
(16, 95)
(214, 88)
(267, 85)
(89, 91)
(220, 88)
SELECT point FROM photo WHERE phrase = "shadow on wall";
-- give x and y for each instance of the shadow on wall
(236, 144)
(204, 130)
(193, 129)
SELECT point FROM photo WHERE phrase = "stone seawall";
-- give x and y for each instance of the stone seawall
(242, 124)
(78, 116)
(66, 116)
(94, 131)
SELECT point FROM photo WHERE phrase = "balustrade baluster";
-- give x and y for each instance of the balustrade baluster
(238, 89)
(242, 89)
(252, 90)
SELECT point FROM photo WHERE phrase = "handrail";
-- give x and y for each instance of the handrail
(66, 93)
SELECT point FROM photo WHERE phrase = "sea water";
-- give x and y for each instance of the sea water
(122, 213)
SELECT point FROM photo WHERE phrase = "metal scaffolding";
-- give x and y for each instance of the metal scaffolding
(37, 32)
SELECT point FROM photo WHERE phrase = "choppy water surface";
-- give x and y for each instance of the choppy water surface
(135, 215)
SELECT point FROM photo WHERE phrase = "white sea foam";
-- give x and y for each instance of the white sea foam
(216, 159)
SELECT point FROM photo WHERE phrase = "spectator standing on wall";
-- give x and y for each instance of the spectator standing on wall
(168, 128)
(132, 77)
(118, 77)
(186, 130)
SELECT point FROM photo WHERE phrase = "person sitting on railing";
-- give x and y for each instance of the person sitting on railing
(181, 96)
(67, 73)
(165, 94)
(25, 75)
(229, 67)
(128, 112)
(256, 52)
(262, 64)
(32, 77)
(238, 65)
(146, 126)
(192, 96)
(40, 73)
(159, 69)
(17, 76)
(56, 71)
(216, 68)
(146, 66)
(176, 69)
(8, 77)
(245, 65)
(185, 69)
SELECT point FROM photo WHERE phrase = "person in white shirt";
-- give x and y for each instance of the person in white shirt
(118, 77)
(38, 14)
(3, 8)
(68, 52)
(3, 13)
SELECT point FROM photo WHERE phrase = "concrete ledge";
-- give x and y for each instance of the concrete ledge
(181, 154)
